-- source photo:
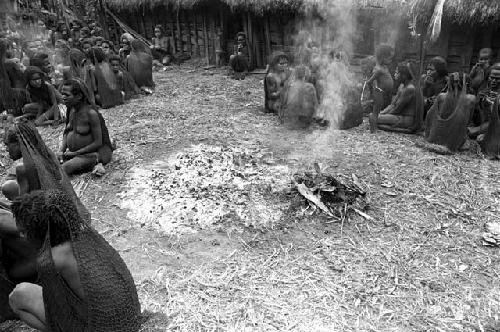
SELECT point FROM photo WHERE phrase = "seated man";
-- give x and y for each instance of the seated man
(434, 81)
(404, 113)
(274, 82)
(125, 82)
(161, 48)
(83, 283)
(300, 101)
(485, 99)
(240, 59)
(86, 141)
(446, 122)
(481, 71)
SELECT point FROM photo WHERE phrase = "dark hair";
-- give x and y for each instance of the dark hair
(87, 41)
(38, 210)
(38, 58)
(300, 72)
(10, 135)
(32, 70)
(75, 87)
(383, 51)
(404, 70)
(114, 57)
(97, 55)
(486, 50)
(109, 42)
(158, 26)
(276, 57)
(440, 66)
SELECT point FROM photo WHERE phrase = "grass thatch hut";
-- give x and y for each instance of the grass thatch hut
(207, 28)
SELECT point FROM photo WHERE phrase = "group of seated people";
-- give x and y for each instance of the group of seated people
(71, 89)
(449, 108)
(302, 95)
(56, 272)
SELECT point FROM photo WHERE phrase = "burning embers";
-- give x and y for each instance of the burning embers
(334, 196)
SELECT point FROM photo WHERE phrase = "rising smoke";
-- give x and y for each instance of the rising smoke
(329, 41)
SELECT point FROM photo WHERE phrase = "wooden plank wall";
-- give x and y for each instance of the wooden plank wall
(194, 32)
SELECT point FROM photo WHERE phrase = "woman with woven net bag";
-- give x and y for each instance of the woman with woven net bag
(84, 285)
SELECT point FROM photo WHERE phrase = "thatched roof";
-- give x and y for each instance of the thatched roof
(461, 11)
(258, 6)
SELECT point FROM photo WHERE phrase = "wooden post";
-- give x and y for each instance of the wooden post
(212, 36)
(195, 35)
(250, 37)
(282, 30)
(179, 31)
(205, 38)
(257, 32)
(143, 25)
(267, 32)
(172, 29)
(188, 31)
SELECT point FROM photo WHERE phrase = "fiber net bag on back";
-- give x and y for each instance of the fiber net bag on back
(446, 121)
(107, 86)
(449, 130)
(110, 302)
(49, 174)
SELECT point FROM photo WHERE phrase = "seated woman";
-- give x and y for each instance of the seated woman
(108, 93)
(125, 82)
(446, 121)
(300, 101)
(36, 168)
(275, 81)
(84, 285)
(240, 59)
(405, 113)
(43, 104)
(434, 81)
(86, 141)
(139, 64)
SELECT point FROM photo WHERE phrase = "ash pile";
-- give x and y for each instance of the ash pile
(204, 187)
(337, 197)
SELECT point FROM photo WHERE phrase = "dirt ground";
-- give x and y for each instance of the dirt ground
(199, 203)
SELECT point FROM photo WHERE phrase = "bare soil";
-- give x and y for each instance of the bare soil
(268, 261)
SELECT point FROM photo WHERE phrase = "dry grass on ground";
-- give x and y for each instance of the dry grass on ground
(418, 266)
